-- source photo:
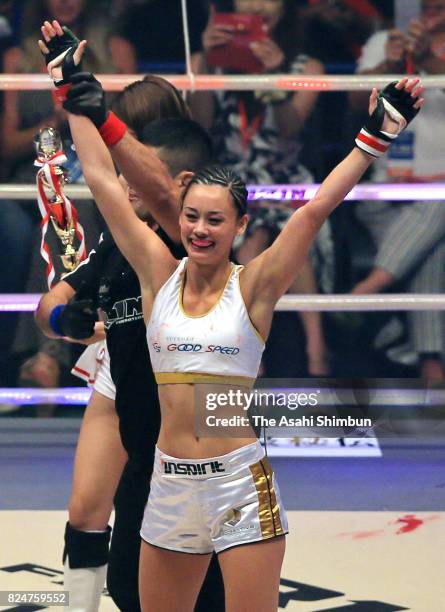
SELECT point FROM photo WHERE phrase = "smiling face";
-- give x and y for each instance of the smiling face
(209, 223)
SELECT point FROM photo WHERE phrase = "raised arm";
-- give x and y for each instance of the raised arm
(145, 172)
(139, 164)
(270, 274)
(138, 243)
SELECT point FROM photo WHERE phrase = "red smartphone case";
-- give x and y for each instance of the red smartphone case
(237, 55)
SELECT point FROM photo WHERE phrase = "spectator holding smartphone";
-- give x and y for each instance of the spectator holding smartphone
(410, 238)
(258, 131)
(421, 48)
(259, 134)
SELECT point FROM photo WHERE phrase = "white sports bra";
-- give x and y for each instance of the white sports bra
(219, 346)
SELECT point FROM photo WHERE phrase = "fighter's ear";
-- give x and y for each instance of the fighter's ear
(242, 225)
(184, 177)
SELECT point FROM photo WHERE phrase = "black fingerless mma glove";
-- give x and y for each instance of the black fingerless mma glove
(399, 105)
(86, 97)
(75, 319)
(58, 46)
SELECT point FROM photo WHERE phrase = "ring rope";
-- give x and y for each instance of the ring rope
(188, 55)
(79, 396)
(27, 302)
(75, 396)
(281, 193)
(248, 82)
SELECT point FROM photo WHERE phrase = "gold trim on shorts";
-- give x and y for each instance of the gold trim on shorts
(269, 510)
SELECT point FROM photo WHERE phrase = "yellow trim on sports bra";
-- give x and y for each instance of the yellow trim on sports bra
(181, 292)
(174, 378)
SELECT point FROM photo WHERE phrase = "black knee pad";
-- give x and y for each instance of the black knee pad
(86, 549)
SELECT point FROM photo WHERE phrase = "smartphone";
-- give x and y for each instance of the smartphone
(237, 55)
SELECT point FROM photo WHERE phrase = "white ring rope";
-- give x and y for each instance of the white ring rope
(248, 82)
(341, 302)
(74, 396)
(284, 193)
(27, 302)
(188, 55)
(384, 397)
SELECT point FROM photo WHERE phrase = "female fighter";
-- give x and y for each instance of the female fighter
(217, 493)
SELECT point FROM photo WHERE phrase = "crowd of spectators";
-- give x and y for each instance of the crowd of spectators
(267, 137)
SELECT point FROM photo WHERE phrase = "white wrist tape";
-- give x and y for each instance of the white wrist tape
(372, 144)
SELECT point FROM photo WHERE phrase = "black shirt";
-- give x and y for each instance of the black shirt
(109, 277)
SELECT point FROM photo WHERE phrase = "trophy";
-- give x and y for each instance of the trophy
(63, 243)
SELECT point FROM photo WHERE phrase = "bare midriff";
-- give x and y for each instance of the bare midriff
(181, 405)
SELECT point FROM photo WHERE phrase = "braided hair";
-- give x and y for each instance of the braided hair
(225, 177)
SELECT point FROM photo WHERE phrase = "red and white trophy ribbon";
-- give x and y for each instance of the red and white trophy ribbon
(63, 241)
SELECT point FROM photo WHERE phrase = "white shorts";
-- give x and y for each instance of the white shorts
(93, 366)
(205, 505)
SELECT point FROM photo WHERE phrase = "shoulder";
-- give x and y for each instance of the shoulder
(106, 240)
(97, 254)
(165, 273)
(179, 268)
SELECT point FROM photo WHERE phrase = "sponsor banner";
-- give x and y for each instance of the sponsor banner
(352, 561)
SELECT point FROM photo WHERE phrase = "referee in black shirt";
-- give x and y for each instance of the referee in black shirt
(108, 280)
